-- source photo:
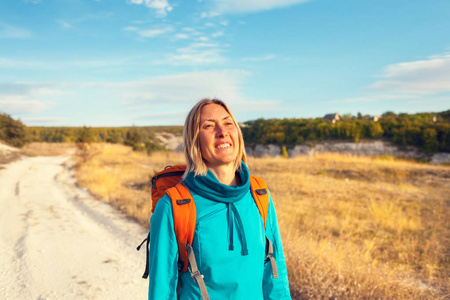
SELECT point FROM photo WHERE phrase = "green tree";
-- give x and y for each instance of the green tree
(134, 138)
(374, 130)
(443, 132)
(430, 142)
(357, 130)
(12, 131)
(114, 137)
(84, 135)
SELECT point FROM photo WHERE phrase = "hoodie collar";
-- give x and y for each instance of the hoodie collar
(209, 187)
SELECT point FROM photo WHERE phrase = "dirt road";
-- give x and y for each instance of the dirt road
(56, 242)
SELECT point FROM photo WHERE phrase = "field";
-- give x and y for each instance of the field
(352, 227)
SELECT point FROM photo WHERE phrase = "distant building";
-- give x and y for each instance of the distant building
(372, 118)
(333, 118)
(434, 119)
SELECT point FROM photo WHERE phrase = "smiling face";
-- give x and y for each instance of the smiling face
(218, 137)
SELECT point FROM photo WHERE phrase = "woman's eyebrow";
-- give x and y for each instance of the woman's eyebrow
(213, 120)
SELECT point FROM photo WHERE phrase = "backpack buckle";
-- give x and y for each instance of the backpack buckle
(183, 201)
(195, 275)
(261, 191)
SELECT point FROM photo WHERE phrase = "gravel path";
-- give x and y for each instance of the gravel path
(56, 242)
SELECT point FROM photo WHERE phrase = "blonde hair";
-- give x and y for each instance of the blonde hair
(191, 141)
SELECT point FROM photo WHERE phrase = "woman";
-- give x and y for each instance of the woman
(229, 239)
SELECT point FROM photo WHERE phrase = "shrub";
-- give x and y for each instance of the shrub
(12, 131)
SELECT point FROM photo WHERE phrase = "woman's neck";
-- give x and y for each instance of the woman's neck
(226, 175)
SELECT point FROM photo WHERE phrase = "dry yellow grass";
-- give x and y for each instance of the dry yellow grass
(35, 149)
(358, 227)
(120, 176)
(47, 149)
(352, 227)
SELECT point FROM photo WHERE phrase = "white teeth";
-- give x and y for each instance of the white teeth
(224, 146)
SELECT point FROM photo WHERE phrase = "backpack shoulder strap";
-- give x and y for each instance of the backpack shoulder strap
(260, 193)
(184, 218)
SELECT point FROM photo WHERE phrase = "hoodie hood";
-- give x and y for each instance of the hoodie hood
(209, 187)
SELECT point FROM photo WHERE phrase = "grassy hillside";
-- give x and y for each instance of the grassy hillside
(352, 227)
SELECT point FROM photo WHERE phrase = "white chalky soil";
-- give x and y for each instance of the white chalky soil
(56, 242)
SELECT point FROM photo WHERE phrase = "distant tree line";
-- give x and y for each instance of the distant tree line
(15, 133)
(140, 138)
(428, 131)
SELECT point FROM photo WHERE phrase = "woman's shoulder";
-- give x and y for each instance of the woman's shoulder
(164, 205)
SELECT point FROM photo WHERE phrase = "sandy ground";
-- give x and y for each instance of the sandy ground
(5, 149)
(56, 242)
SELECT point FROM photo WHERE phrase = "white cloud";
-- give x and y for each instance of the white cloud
(217, 34)
(28, 98)
(248, 6)
(139, 22)
(162, 7)
(6, 63)
(181, 36)
(48, 121)
(409, 83)
(158, 90)
(131, 28)
(429, 76)
(21, 105)
(102, 15)
(151, 33)
(25, 89)
(175, 117)
(194, 58)
(199, 45)
(64, 24)
(210, 14)
(373, 98)
(260, 58)
(71, 24)
(158, 100)
(11, 32)
(174, 90)
(196, 54)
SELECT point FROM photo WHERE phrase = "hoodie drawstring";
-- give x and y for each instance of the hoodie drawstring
(240, 228)
(230, 228)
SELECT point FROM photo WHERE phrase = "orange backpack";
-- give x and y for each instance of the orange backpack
(169, 182)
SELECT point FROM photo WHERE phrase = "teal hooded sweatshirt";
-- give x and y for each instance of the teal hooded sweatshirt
(229, 245)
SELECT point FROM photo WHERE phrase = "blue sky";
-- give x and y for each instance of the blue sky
(146, 62)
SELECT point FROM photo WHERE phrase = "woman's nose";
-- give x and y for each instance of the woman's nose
(221, 131)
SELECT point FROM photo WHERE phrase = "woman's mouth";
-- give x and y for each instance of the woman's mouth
(223, 146)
